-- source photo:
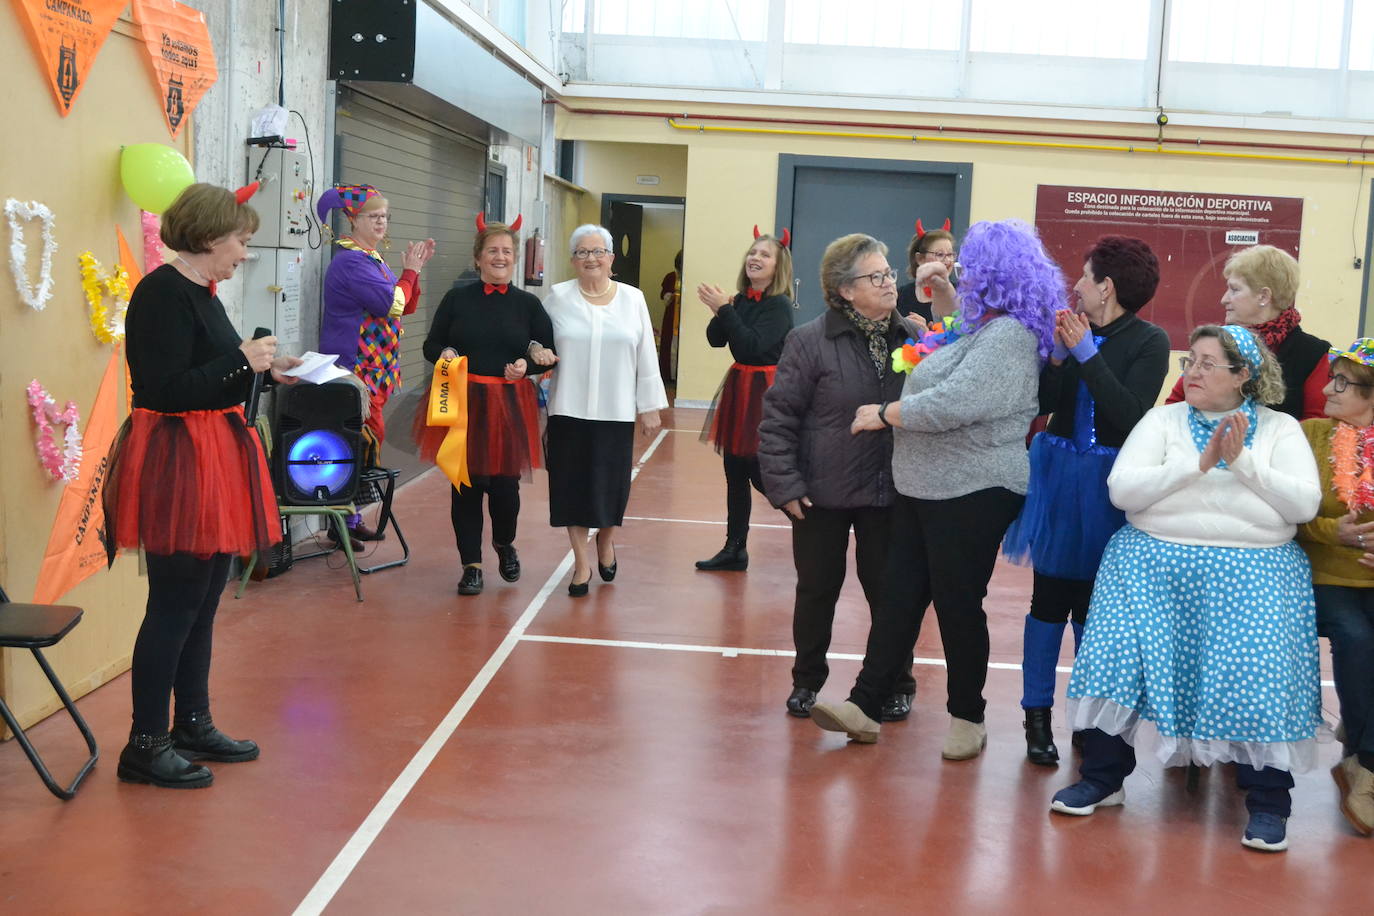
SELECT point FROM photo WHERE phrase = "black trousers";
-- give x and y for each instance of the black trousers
(465, 509)
(943, 550)
(820, 549)
(172, 651)
(740, 473)
(1055, 600)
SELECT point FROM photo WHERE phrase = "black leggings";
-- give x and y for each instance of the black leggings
(465, 510)
(739, 502)
(172, 651)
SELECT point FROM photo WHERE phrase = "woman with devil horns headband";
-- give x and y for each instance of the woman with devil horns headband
(927, 246)
(508, 339)
(753, 324)
(187, 480)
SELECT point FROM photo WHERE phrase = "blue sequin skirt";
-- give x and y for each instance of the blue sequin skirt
(1067, 518)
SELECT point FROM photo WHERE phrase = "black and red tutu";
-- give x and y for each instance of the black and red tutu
(732, 423)
(503, 428)
(194, 482)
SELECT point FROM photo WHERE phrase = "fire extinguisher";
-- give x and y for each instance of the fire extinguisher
(534, 260)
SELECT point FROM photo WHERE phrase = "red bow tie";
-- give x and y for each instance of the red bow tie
(755, 294)
(490, 288)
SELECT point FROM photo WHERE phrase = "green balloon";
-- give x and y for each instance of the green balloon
(154, 174)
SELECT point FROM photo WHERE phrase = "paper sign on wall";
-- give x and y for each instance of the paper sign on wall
(183, 59)
(67, 34)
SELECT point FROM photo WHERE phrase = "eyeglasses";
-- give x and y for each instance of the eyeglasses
(942, 255)
(1339, 383)
(878, 278)
(582, 254)
(377, 217)
(1206, 366)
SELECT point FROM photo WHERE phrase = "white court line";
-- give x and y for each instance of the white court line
(734, 651)
(338, 871)
(695, 521)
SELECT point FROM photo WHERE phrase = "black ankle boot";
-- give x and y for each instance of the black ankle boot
(1040, 747)
(731, 558)
(196, 738)
(151, 759)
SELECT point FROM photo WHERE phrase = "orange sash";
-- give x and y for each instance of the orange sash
(448, 406)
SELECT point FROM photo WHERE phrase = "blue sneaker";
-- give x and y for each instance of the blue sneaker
(1083, 798)
(1266, 832)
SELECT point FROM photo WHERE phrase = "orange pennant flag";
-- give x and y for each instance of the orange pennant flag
(67, 34)
(183, 59)
(127, 259)
(75, 547)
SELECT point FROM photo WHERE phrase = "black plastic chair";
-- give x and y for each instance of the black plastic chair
(35, 627)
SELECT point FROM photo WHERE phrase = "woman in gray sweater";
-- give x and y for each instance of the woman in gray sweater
(960, 466)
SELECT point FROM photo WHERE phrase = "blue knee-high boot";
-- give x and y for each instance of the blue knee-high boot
(1077, 637)
(1040, 655)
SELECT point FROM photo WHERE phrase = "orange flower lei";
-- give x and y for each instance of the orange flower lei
(1352, 464)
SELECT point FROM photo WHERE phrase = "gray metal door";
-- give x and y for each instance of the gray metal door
(822, 198)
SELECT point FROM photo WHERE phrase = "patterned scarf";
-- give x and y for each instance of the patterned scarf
(875, 331)
(1352, 465)
(1203, 428)
(1276, 330)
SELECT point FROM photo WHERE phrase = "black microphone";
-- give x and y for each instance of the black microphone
(250, 410)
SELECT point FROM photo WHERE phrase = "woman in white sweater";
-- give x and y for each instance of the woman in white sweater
(607, 377)
(1201, 635)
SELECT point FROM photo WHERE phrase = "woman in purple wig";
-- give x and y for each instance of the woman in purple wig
(960, 467)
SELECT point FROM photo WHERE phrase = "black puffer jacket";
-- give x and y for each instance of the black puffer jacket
(805, 446)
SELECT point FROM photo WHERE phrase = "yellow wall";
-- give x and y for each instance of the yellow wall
(71, 165)
(731, 183)
(659, 244)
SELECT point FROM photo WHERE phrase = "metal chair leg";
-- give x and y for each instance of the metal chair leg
(53, 786)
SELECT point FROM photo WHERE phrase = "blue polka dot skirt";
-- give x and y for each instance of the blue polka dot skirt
(1202, 654)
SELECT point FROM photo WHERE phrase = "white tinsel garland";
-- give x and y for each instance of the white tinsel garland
(15, 211)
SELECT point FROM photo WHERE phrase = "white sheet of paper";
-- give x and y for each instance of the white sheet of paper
(317, 368)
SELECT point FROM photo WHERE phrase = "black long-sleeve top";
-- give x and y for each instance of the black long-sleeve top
(907, 303)
(754, 331)
(491, 330)
(183, 351)
(1124, 378)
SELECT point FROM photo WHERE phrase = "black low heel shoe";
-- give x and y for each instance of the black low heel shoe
(607, 572)
(580, 589)
(196, 738)
(151, 759)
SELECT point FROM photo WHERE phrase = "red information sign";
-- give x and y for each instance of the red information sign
(1192, 233)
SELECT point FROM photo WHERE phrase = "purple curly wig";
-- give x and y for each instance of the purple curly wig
(1006, 271)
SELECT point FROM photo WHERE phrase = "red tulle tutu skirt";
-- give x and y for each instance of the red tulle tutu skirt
(503, 428)
(733, 420)
(194, 482)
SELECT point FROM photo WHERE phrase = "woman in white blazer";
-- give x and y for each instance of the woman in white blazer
(607, 378)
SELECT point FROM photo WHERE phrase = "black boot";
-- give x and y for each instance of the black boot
(196, 738)
(151, 759)
(731, 558)
(1040, 747)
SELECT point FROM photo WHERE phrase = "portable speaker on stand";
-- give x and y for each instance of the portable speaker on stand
(318, 444)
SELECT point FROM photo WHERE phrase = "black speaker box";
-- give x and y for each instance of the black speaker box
(372, 40)
(317, 443)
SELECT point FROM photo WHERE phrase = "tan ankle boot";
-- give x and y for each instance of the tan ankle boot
(1357, 793)
(848, 718)
(965, 739)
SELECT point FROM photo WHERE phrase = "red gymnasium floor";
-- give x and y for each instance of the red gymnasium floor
(525, 752)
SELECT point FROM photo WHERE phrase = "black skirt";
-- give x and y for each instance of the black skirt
(589, 471)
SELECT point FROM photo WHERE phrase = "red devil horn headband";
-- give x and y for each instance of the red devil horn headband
(513, 227)
(242, 194)
(785, 240)
(921, 230)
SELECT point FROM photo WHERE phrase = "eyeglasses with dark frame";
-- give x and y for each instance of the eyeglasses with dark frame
(582, 254)
(1206, 366)
(1340, 382)
(877, 278)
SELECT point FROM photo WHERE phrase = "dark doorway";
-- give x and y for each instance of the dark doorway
(626, 223)
(647, 236)
(821, 198)
(496, 193)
